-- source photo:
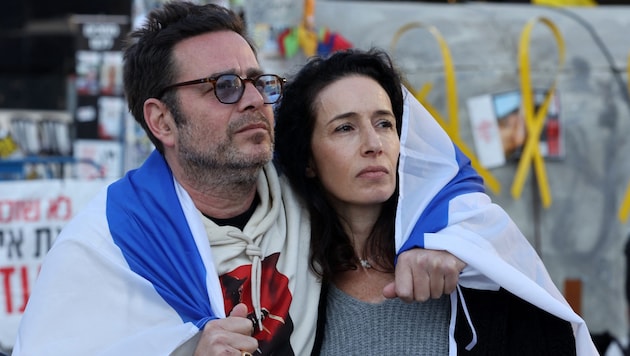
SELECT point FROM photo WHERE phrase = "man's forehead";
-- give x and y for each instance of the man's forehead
(216, 53)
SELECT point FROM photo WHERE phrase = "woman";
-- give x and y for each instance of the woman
(337, 140)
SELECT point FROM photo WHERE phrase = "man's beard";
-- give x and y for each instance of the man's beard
(223, 163)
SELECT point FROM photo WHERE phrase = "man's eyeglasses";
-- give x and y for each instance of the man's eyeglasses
(229, 88)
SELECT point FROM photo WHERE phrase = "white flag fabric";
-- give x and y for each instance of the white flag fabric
(443, 206)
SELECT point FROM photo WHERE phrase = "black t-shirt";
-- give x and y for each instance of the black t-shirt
(240, 220)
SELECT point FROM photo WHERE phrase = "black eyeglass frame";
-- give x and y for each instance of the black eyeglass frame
(214, 80)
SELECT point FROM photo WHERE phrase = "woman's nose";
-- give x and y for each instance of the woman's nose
(372, 143)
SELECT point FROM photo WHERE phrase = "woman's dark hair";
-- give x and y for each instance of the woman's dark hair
(331, 247)
(148, 58)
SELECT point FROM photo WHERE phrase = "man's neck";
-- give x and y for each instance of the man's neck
(219, 205)
(240, 220)
(220, 193)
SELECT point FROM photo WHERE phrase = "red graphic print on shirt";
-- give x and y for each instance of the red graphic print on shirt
(275, 299)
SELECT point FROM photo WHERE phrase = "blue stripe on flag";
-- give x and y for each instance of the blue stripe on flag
(148, 224)
(435, 216)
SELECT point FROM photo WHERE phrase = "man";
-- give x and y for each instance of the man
(134, 274)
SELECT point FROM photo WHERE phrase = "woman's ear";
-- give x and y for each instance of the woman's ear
(159, 120)
(310, 171)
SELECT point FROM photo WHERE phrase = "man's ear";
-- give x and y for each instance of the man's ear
(160, 121)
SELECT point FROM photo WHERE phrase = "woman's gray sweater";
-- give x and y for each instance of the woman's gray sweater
(392, 327)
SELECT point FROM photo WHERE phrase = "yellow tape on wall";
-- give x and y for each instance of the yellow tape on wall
(624, 209)
(450, 125)
(534, 120)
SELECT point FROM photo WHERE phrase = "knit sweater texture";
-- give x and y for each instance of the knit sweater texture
(393, 327)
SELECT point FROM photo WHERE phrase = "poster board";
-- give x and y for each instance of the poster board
(499, 129)
(32, 213)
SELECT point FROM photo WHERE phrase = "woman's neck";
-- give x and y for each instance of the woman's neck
(358, 224)
(365, 283)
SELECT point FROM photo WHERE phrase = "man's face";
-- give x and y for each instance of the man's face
(213, 135)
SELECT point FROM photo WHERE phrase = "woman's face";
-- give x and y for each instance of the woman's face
(355, 144)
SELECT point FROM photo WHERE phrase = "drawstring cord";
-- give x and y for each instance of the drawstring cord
(473, 342)
(255, 253)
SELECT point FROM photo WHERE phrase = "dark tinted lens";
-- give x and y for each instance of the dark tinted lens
(229, 88)
(270, 86)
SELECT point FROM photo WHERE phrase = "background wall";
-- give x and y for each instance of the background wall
(579, 235)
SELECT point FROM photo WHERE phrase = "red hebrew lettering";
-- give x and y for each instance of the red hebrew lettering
(5, 211)
(26, 292)
(31, 210)
(5, 273)
(16, 210)
(60, 208)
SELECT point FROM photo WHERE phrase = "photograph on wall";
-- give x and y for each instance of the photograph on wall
(98, 159)
(499, 128)
(111, 116)
(88, 65)
(111, 78)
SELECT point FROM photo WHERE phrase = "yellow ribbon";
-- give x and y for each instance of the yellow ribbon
(451, 126)
(624, 210)
(565, 2)
(534, 121)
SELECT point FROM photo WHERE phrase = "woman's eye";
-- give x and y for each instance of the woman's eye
(385, 123)
(343, 128)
